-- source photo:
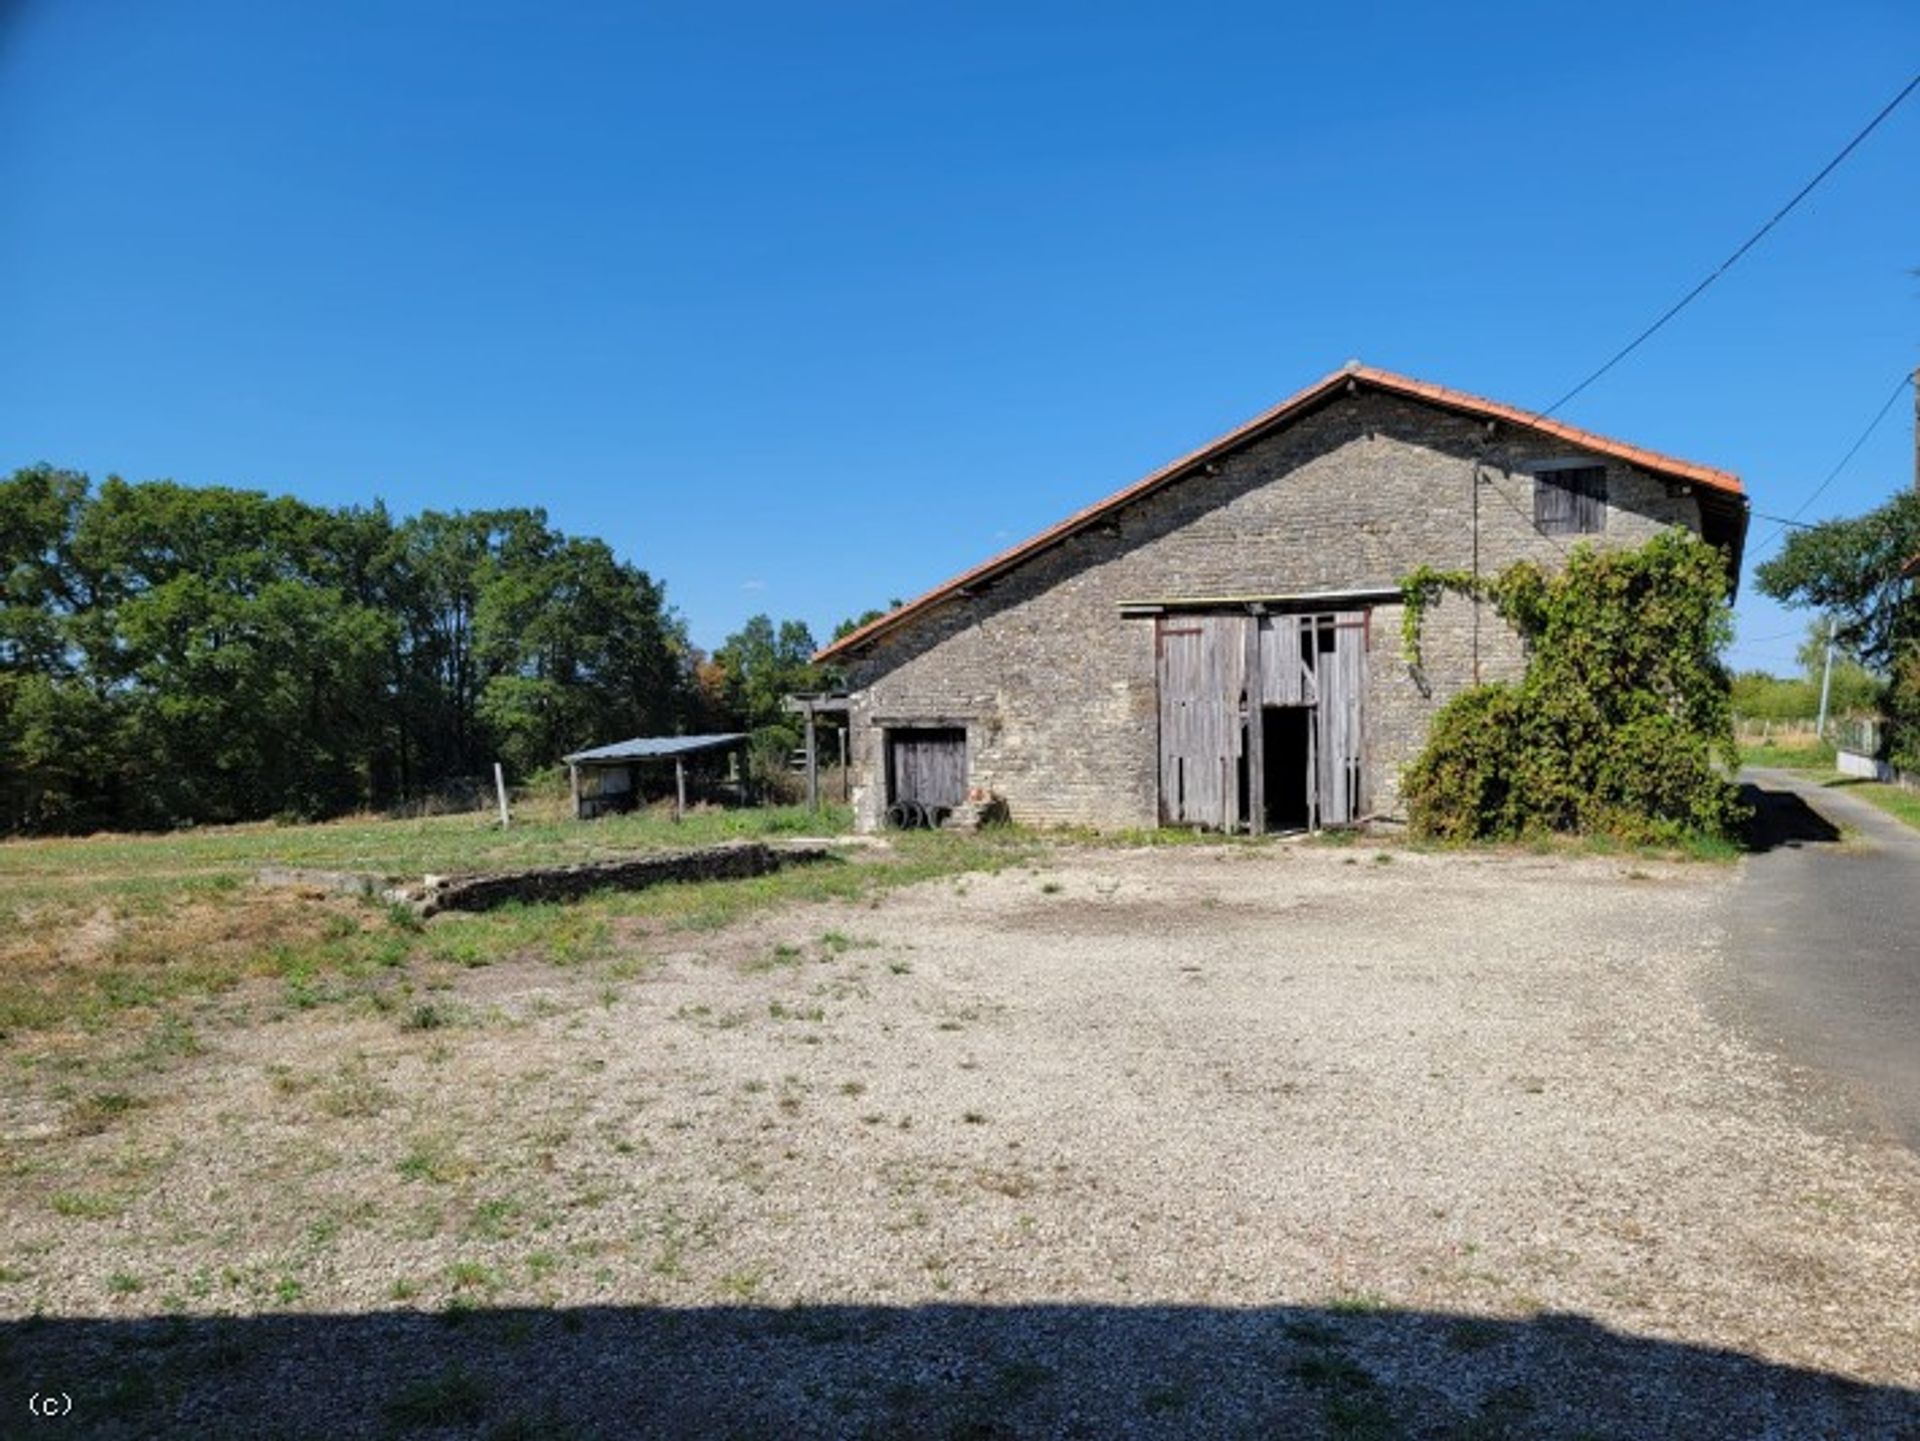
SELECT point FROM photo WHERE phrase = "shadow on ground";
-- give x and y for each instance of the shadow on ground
(1782, 818)
(916, 1371)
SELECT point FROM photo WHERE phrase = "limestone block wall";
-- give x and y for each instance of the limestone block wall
(1056, 688)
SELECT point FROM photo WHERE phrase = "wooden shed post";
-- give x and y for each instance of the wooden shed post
(679, 788)
(813, 762)
(573, 784)
(1256, 731)
(846, 785)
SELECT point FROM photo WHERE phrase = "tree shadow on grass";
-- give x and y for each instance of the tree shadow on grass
(1781, 818)
(953, 1371)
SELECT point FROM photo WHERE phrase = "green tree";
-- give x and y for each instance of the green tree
(1852, 689)
(1851, 569)
(866, 617)
(1854, 570)
(765, 663)
(172, 653)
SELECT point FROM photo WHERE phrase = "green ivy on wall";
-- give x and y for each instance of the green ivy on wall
(1622, 724)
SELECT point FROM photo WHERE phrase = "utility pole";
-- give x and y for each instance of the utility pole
(1826, 684)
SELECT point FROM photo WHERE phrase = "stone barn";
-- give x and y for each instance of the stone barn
(1219, 644)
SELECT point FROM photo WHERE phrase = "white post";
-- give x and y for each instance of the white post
(1826, 685)
(500, 789)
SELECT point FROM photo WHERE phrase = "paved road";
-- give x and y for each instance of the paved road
(1826, 936)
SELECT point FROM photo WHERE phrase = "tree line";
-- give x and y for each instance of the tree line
(173, 654)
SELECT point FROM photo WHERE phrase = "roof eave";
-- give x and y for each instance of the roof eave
(1347, 378)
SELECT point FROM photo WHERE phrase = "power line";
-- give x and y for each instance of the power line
(1684, 301)
(1762, 639)
(1782, 522)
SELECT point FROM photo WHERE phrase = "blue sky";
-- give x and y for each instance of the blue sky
(806, 305)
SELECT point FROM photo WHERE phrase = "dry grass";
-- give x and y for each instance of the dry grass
(94, 929)
(1469, 1087)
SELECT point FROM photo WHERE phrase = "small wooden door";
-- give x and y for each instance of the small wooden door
(927, 764)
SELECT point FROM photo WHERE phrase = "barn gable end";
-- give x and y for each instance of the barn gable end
(1051, 665)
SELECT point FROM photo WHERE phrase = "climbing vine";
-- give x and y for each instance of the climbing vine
(1622, 722)
(1419, 591)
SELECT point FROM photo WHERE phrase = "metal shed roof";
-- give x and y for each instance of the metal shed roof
(642, 748)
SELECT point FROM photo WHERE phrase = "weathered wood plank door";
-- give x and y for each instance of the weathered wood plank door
(1202, 672)
(927, 764)
(1340, 667)
(1320, 662)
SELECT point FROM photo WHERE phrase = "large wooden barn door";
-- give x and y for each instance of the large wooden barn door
(1316, 664)
(1216, 765)
(1202, 664)
(1341, 668)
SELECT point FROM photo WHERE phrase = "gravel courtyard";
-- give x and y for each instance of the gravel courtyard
(1276, 1140)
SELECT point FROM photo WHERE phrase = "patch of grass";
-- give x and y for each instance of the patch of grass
(839, 943)
(1781, 755)
(87, 1205)
(780, 1011)
(92, 1115)
(1339, 837)
(433, 1158)
(453, 1397)
(426, 1017)
(1136, 836)
(472, 1276)
(1357, 1303)
(170, 1039)
(127, 923)
(1897, 801)
(353, 1092)
(741, 1285)
(1471, 1335)
(1165, 1399)
(125, 1283)
(495, 1219)
(1352, 1403)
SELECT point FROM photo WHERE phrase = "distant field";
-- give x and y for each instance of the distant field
(120, 926)
(1789, 752)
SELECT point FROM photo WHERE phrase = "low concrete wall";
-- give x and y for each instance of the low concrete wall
(432, 894)
(1851, 763)
(732, 861)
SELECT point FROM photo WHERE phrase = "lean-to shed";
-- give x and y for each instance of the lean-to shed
(612, 777)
